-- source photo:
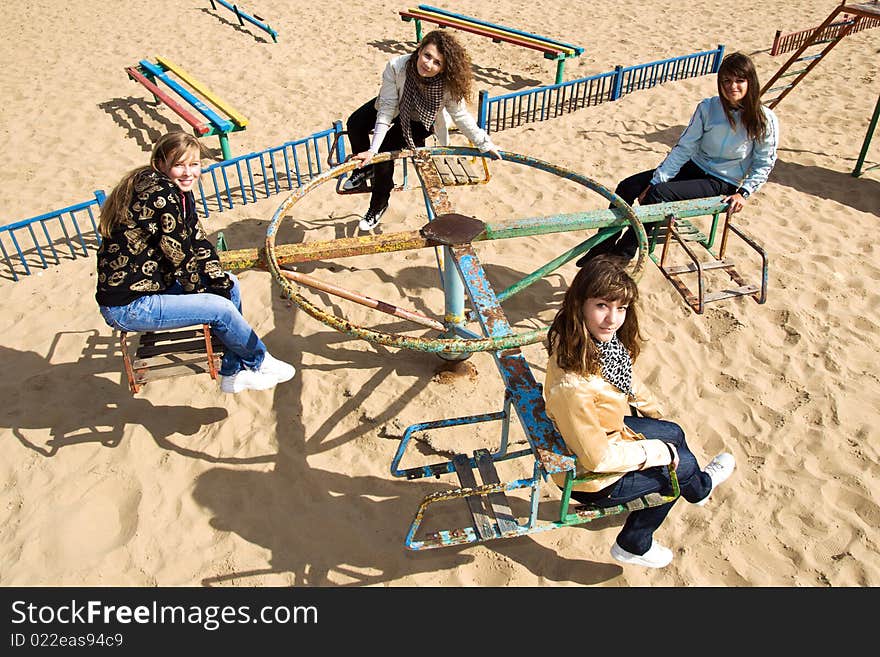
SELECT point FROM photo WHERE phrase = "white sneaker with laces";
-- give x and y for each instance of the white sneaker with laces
(719, 470)
(658, 556)
(371, 219)
(270, 373)
(278, 368)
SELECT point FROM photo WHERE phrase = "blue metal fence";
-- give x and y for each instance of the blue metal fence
(546, 102)
(247, 178)
(38, 237)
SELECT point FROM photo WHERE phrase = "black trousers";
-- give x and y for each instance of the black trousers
(690, 182)
(359, 125)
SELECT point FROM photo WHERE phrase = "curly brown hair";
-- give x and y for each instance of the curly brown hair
(458, 78)
(602, 277)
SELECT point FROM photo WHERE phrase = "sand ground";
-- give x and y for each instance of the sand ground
(180, 485)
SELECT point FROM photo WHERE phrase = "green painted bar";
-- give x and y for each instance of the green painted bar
(595, 219)
(857, 171)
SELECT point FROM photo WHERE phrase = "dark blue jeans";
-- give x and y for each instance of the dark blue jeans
(638, 530)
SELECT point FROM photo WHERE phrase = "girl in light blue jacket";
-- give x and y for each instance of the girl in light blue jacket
(728, 149)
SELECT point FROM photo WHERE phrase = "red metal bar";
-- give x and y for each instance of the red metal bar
(172, 104)
(495, 36)
(369, 302)
(793, 40)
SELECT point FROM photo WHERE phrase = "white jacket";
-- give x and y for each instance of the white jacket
(388, 102)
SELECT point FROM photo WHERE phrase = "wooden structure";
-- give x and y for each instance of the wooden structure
(783, 43)
(551, 48)
(822, 40)
(149, 74)
(166, 354)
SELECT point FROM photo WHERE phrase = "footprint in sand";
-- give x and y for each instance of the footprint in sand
(98, 521)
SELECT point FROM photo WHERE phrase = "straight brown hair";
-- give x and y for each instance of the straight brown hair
(740, 65)
(602, 277)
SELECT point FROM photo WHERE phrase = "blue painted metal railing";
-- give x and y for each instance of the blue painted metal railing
(242, 16)
(546, 102)
(243, 179)
(261, 174)
(56, 229)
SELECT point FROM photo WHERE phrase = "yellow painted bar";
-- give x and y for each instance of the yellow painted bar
(237, 118)
(421, 14)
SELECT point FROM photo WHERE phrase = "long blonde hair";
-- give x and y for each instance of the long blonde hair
(168, 149)
(602, 277)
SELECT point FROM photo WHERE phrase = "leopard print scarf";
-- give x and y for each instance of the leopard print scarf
(422, 98)
(616, 364)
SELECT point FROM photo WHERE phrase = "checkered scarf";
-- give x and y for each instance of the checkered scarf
(616, 364)
(422, 98)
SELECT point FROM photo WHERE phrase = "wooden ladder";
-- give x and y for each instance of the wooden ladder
(805, 62)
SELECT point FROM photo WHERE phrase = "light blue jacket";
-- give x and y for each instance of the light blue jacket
(722, 152)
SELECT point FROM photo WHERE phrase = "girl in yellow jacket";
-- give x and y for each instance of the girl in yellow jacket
(593, 341)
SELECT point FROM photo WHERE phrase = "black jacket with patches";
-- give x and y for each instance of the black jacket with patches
(160, 241)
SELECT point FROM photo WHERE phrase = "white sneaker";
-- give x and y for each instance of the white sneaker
(270, 373)
(658, 556)
(278, 368)
(371, 219)
(719, 470)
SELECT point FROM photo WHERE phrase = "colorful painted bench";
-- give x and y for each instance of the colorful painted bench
(552, 49)
(149, 74)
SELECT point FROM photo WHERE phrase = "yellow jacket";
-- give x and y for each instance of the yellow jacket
(588, 412)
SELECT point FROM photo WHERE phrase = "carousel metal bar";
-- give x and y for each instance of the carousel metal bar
(519, 382)
(369, 302)
(551, 266)
(482, 295)
(406, 240)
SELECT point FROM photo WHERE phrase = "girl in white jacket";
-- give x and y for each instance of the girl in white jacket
(417, 92)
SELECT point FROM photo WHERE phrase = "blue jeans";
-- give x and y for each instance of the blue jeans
(638, 530)
(173, 309)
